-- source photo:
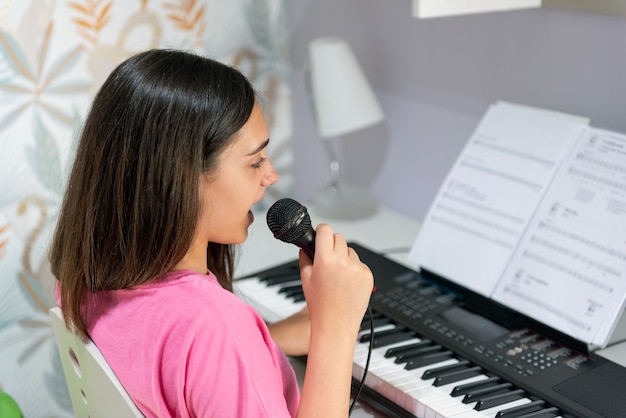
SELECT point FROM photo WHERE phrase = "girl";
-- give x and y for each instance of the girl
(171, 160)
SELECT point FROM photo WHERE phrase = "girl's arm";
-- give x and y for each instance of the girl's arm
(337, 287)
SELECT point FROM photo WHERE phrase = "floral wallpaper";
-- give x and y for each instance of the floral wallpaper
(54, 54)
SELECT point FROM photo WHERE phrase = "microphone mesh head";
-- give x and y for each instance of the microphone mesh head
(288, 220)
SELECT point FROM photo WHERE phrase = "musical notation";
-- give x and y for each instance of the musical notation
(574, 249)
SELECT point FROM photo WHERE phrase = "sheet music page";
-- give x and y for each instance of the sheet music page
(490, 194)
(569, 269)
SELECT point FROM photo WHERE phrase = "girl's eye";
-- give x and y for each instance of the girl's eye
(259, 163)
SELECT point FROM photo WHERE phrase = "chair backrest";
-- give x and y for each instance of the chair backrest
(94, 389)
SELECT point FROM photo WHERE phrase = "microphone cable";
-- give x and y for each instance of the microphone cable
(371, 342)
(367, 362)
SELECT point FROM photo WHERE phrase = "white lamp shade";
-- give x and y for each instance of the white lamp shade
(343, 99)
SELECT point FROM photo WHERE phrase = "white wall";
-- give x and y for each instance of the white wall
(436, 77)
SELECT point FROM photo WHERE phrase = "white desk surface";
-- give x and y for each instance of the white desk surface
(387, 231)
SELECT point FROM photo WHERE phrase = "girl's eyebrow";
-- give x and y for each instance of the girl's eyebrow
(260, 147)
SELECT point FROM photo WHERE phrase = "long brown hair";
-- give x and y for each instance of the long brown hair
(158, 123)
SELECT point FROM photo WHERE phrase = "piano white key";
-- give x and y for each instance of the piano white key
(491, 412)
(391, 381)
(453, 407)
(404, 383)
(271, 305)
(454, 410)
(440, 398)
(384, 374)
(380, 367)
(384, 377)
(378, 355)
(377, 361)
(407, 387)
(408, 384)
(431, 394)
(362, 348)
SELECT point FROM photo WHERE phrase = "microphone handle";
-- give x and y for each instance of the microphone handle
(307, 243)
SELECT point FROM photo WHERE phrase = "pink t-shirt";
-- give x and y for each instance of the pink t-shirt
(185, 347)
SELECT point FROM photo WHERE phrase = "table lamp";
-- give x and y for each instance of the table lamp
(343, 102)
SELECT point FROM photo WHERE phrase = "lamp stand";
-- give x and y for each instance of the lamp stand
(339, 200)
(344, 202)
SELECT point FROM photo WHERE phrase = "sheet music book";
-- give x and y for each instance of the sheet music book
(533, 215)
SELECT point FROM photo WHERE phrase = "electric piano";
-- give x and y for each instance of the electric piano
(442, 351)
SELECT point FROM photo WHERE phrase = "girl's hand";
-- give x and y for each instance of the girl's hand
(337, 285)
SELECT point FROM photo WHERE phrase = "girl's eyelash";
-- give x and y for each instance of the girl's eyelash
(259, 163)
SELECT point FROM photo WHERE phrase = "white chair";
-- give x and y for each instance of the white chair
(94, 389)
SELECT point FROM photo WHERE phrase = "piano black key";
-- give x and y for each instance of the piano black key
(272, 305)
(291, 290)
(464, 389)
(544, 413)
(432, 373)
(499, 399)
(395, 351)
(298, 298)
(478, 394)
(416, 353)
(285, 278)
(428, 359)
(389, 339)
(290, 269)
(457, 376)
(379, 320)
(519, 411)
(381, 334)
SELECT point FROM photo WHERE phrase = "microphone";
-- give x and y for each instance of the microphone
(289, 221)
